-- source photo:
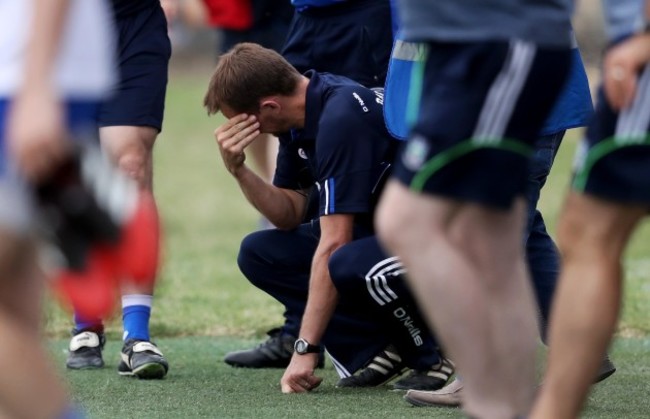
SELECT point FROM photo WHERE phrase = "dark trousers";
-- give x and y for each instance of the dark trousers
(542, 254)
(279, 263)
(352, 39)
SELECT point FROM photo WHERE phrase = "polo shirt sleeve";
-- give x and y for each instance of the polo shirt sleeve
(349, 153)
(291, 171)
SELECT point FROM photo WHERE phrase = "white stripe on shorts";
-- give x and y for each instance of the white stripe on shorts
(633, 123)
(504, 92)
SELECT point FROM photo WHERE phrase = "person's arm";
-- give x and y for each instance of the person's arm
(36, 127)
(336, 231)
(622, 65)
(284, 208)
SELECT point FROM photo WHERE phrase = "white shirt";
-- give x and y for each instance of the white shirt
(85, 66)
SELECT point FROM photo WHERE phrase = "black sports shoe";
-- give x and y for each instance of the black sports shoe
(86, 350)
(427, 380)
(275, 352)
(606, 369)
(382, 368)
(142, 359)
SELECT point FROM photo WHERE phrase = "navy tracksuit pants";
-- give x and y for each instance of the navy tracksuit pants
(375, 308)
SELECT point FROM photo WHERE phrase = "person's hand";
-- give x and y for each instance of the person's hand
(36, 132)
(233, 137)
(621, 69)
(299, 376)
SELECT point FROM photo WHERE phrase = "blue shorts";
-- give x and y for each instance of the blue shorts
(613, 160)
(143, 53)
(15, 205)
(351, 39)
(478, 108)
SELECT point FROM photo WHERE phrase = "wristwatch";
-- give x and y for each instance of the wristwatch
(302, 347)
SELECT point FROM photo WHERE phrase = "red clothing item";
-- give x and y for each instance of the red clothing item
(230, 14)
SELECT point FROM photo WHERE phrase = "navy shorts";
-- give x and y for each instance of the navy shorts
(478, 108)
(352, 39)
(143, 53)
(613, 160)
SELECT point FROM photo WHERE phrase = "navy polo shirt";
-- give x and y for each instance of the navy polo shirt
(344, 149)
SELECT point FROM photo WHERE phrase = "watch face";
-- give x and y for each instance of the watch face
(300, 346)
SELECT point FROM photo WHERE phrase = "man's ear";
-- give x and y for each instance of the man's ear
(270, 106)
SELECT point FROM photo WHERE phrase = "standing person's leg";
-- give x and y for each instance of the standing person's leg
(23, 358)
(479, 298)
(541, 254)
(131, 149)
(28, 373)
(129, 125)
(479, 301)
(609, 197)
(592, 236)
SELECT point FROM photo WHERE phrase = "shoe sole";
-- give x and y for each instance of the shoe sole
(604, 375)
(419, 403)
(431, 388)
(152, 371)
(241, 365)
(85, 367)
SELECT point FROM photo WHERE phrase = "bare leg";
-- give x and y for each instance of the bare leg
(27, 373)
(131, 149)
(467, 267)
(592, 237)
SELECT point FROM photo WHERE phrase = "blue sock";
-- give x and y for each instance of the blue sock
(136, 310)
(94, 324)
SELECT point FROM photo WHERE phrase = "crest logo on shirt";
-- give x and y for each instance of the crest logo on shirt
(302, 154)
(416, 153)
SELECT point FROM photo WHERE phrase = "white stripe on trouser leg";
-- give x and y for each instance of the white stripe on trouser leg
(504, 92)
(340, 369)
(376, 280)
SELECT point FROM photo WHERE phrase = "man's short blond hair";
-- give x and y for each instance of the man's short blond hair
(246, 74)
